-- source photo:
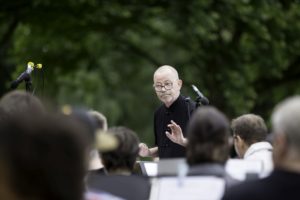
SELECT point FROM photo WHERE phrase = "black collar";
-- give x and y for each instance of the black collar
(174, 104)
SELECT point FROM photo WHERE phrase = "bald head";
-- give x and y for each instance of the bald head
(167, 84)
(166, 69)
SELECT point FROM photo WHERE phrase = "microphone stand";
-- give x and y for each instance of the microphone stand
(198, 102)
(201, 100)
(28, 85)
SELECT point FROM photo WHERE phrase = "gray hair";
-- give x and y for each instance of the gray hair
(168, 68)
(286, 120)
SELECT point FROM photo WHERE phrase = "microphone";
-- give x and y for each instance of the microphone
(201, 98)
(25, 76)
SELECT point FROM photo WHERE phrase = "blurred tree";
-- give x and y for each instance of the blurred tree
(243, 55)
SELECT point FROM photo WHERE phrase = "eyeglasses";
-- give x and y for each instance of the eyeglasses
(159, 87)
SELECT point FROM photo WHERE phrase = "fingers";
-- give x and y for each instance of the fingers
(172, 128)
(174, 123)
(143, 146)
(168, 135)
(143, 150)
(175, 128)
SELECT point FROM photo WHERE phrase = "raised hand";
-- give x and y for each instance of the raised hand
(176, 134)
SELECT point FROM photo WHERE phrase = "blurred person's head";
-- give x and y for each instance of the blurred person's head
(121, 159)
(100, 119)
(208, 136)
(286, 130)
(101, 125)
(167, 84)
(20, 102)
(247, 130)
(43, 158)
(82, 116)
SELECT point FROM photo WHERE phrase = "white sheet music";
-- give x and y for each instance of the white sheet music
(151, 168)
(189, 188)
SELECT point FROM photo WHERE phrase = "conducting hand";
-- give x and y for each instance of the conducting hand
(144, 150)
(176, 134)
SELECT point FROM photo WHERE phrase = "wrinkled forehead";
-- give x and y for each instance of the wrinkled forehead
(165, 74)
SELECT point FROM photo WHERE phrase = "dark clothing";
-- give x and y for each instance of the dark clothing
(279, 185)
(212, 169)
(126, 187)
(100, 171)
(180, 112)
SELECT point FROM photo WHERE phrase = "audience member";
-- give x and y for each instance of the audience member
(101, 121)
(119, 163)
(20, 102)
(121, 160)
(208, 144)
(42, 157)
(249, 134)
(95, 163)
(284, 181)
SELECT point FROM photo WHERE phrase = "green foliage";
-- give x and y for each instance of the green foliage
(243, 55)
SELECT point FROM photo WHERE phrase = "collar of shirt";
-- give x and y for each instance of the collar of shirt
(174, 104)
(259, 146)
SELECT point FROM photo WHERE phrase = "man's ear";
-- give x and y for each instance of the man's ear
(242, 142)
(179, 82)
(239, 139)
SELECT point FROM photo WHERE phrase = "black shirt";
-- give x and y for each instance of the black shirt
(180, 112)
(280, 184)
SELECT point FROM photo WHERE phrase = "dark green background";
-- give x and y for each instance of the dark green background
(243, 55)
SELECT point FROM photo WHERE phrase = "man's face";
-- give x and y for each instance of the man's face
(167, 87)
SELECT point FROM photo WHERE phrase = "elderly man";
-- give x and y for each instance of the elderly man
(175, 108)
(284, 181)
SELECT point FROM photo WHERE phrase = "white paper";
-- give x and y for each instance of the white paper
(189, 188)
(151, 168)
